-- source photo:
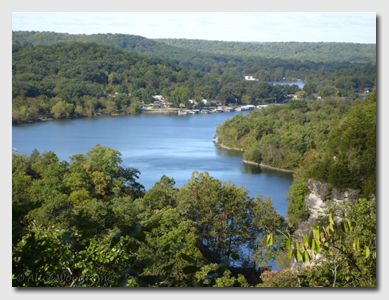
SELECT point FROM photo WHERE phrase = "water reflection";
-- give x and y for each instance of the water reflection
(225, 152)
(251, 169)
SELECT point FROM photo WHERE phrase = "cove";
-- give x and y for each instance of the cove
(157, 144)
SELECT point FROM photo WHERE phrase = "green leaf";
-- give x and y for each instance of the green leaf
(123, 281)
(190, 269)
(306, 244)
(288, 242)
(313, 244)
(225, 263)
(326, 247)
(168, 267)
(139, 267)
(349, 224)
(187, 258)
(148, 280)
(296, 245)
(298, 256)
(317, 234)
(356, 244)
(166, 248)
(130, 230)
(235, 256)
(344, 227)
(132, 246)
(317, 248)
(147, 228)
(291, 252)
(141, 236)
(138, 230)
(332, 218)
(269, 240)
(305, 260)
(366, 252)
(306, 257)
(131, 272)
(115, 240)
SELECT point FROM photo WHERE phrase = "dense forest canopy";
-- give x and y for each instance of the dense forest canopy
(348, 52)
(264, 68)
(332, 140)
(87, 79)
(363, 53)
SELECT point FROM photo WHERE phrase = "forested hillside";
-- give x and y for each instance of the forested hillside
(271, 68)
(362, 53)
(87, 79)
(331, 140)
(316, 52)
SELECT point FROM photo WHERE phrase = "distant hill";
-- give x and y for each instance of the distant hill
(244, 59)
(317, 52)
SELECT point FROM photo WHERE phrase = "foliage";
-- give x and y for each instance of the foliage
(285, 278)
(90, 218)
(349, 158)
(343, 252)
(62, 75)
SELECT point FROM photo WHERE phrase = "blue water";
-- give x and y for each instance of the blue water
(299, 84)
(157, 145)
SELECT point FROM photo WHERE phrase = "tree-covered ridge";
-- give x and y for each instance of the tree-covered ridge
(331, 140)
(87, 79)
(263, 69)
(363, 53)
(170, 48)
(281, 135)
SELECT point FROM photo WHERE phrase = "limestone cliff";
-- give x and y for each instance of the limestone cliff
(321, 195)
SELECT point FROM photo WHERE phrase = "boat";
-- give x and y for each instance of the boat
(182, 113)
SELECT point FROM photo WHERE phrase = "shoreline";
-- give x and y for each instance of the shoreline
(94, 116)
(254, 163)
(266, 166)
(228, 148)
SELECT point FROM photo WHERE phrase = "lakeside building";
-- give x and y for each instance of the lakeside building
(250, 78)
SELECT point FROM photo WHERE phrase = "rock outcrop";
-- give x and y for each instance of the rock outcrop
(317, 202)
(322, 193)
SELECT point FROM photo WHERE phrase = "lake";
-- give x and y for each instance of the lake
(156, 144)
(299, 84)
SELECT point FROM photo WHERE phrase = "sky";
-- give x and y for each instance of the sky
(350, 27)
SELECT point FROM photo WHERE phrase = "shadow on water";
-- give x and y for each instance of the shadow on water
(255, 169)
(225, 152)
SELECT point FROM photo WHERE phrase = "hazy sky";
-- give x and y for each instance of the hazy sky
(352, 27)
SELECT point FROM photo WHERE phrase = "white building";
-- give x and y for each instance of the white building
(158, 97)
(250, 78)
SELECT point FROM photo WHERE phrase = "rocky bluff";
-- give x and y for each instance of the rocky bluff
(321, 196)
